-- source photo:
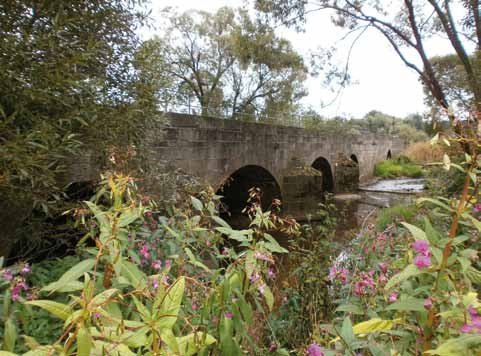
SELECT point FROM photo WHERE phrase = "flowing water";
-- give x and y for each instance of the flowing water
(356, 209)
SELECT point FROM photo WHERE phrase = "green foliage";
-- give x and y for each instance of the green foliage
(409, 129)
(398, 167)
(412, 289)
(68, 85)
(152, 284)
(395, 214)
(305, 289)
(227, 62)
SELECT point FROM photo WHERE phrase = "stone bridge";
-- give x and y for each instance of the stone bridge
(293, 164)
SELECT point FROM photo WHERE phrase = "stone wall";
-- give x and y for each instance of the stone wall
(215, 148)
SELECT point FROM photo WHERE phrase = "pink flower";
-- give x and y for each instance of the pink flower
(255, 277)
(343, 275)
(332, 272)
(422, 261)
(25, 269)
(428, 303)
(383, 266)
(262, 256)
(157, 265)
(155, 283)
(314, 350)
(382, 279)
(7, 275)
(194, 306)
(145, 251)
(228, 315)
(477, 208)
(393, 297)
(273, 347)
(475, 325)
(168, 264)
(271, 273)
(421, 246)
(262, 288)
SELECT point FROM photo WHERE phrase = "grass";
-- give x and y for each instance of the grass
(387, 216)
(399, 167)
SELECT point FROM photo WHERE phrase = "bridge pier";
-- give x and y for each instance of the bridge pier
(302, 189)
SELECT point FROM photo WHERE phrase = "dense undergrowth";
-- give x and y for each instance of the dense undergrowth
(178, 280)
(401, 166)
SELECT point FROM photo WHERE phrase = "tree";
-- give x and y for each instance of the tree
(68, 85)
(229, 63)
(453, 78)
(406, 26)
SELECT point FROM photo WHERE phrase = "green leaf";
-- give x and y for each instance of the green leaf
(194, 261)
(250, 264)
(142, 309)
(191, 344)
(170, 340)
(84, 342)
(99, 214)
(273, 245)
(431, 234)
(473, 275)
(476, 223)
(10, 335)
(101, 298)
(347, 331)
(197, 204)
(6, 353)
(169, 309)
(435, 202)
(415, 231)
(408, 304)
(350, 308)
(374, 325)
(70, 276)
(128, 217)
(60, 310)
(133, 275)
(410, 271)
(228, 345)
(237, 235)
(221, 222)
(269, 297)
(457, 346)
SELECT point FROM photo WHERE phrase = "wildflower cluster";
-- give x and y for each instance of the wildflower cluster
(15, 279)
(423, 259)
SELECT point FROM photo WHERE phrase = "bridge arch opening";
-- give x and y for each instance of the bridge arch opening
(322, 165)
(354, 158)
(389, 155)
(235, 190)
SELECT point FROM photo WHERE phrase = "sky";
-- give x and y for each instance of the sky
(382, 81)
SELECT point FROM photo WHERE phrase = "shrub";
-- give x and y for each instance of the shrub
(395, 214)
(400, 167)
(424, 152)
(151, 284)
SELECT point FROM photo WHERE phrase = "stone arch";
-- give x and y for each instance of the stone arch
(389, 155)
(323, 165)
(354, 158)
(235, 189)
